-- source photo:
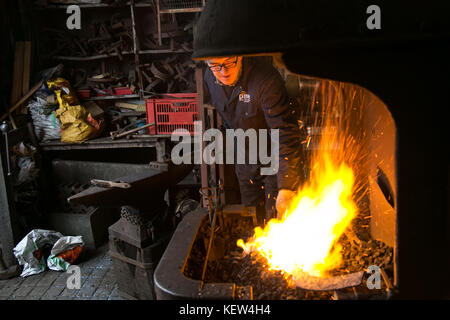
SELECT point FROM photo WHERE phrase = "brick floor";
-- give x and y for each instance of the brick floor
(31, 280)
(53, 291)
(23, 291)
(97, 282)
(61, 280)
(7, 291)
(38, 291)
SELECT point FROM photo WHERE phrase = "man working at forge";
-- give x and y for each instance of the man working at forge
(249, 93)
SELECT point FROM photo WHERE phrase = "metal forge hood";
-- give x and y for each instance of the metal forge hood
(405, 63)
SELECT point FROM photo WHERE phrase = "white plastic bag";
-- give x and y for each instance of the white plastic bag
(29, 253)
(64, 252)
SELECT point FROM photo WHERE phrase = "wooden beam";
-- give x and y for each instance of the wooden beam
(26, 68)
(22, 100)
(26, 72)
(201, 117)
(17, 81)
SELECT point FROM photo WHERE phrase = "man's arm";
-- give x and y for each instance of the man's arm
(281, 115)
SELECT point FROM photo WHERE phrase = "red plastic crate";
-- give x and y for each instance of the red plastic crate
(170, 114)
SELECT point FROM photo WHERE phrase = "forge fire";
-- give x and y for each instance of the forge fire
(305, 241)
(324, 234)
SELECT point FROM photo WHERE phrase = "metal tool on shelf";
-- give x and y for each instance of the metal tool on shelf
(120, 133)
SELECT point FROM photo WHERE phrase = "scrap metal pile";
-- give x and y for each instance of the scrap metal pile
(108, 37)
(139, 61)
(173, 74)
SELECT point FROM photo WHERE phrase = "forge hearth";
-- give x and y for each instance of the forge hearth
(405, 65)
(231, 274)
(351, 126)
(169, 278)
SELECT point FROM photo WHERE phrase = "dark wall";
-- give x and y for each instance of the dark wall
(15, 26)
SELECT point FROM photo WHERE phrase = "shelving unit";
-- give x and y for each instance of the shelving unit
(133, 59)
(136, 52)
(173, 7)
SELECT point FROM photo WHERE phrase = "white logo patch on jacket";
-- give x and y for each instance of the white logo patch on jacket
(244, 97)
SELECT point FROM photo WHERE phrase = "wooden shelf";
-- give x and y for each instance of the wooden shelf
(90, 58)
(156, 51)
(115, 55)
(89, 5)
(113, 97)
(185, 10)
(104, 143)
(104, 5)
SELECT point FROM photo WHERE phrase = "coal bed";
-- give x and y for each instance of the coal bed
(228, 263)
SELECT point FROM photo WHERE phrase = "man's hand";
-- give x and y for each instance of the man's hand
(284, 201)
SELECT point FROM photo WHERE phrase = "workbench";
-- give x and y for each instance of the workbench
(149, 141)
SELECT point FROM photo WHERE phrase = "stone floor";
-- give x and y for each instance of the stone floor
(97, 282)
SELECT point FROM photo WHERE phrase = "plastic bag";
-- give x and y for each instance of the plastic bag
(42, 109)
(77, 125)
(74, 128)
(24, 155)
(64, 253)
(66, 95)
(29, 252)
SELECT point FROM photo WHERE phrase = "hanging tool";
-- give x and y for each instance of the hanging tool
(4, 127)
(208, 194)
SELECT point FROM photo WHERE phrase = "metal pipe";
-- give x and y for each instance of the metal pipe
(4, 128)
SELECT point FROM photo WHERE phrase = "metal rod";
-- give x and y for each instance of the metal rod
(7, 154)
(133, 130)
(211, 239)
(136, 50)
(5, 128)
(158, 15)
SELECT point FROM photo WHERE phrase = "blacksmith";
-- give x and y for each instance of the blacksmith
(249, 92)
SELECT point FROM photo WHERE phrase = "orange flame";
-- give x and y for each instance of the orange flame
(305, 240)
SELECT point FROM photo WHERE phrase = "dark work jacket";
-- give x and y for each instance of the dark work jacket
(268, 108)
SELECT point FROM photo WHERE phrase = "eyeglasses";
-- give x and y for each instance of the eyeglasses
(226, 65)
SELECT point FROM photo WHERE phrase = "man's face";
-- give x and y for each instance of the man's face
(226, 70)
